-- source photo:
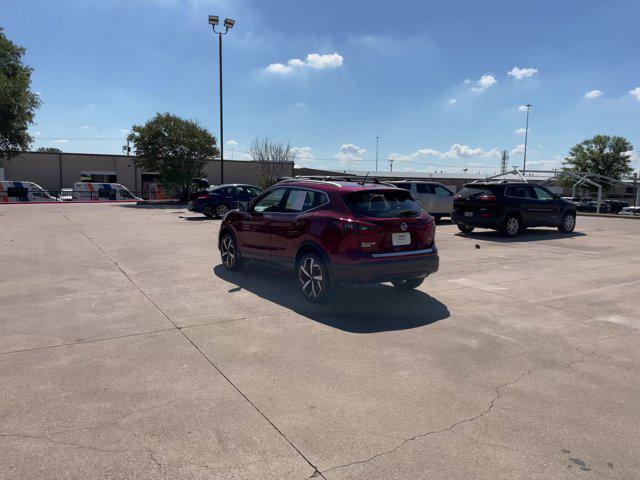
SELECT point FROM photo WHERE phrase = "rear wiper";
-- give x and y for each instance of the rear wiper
(407, 213)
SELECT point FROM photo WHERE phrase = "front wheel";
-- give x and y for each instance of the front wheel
(408, 284)
(568, 223)
(465, 228)
(313, 278)
(229, 252)
(221, 211)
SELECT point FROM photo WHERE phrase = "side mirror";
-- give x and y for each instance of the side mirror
(243, 206)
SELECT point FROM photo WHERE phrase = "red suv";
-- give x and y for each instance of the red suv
(330, 232)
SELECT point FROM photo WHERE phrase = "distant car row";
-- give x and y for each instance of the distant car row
(26, 192)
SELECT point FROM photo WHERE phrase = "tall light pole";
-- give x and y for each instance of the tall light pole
(228, 23)
(377, 138)
(526, 137)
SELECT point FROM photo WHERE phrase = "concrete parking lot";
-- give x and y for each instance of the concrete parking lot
(129, 353)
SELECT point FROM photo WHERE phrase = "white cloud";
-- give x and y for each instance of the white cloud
(302, 153)
(636, 93)
(38, 134)
(61, 140)
(124, 130)
(456, 151)
(350, 153)
(593, 94)
(522, 108)
(520, 131)
(632, 156)
(453, 100)
(85, 127)
(518, 150)
(231, 143)
(485, 82)
(314, 61)
(300, 105)
(522, 73)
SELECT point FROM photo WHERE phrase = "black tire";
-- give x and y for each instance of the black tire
(408, 284)
(465, 228)
(209, 215)
(229, 252)
(567, 223)
(313, 278)
(512, 226)
(221, 210)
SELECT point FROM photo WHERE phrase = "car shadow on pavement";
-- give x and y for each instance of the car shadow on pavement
(530, 234)
(356, 309)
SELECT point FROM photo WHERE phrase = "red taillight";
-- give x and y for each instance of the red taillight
(203, 197)
(488, 198)
(352, 226)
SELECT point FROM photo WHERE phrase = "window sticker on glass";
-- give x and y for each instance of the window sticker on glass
(296, 200)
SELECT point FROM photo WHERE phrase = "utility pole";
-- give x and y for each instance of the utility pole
(526, 137)
(391, 164)
(504, 161)
(377, 138)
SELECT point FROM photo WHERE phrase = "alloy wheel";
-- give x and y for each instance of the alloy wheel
(569, 223)
(311, 278)
(221, 210)
(228, 251)
(513, 225)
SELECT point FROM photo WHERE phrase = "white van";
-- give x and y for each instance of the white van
(23, 192)
(101, 192)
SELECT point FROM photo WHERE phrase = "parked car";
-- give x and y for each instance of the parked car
(510, 207)
(434, 197)
(629, 211)
(616, 205)
(217, 202)
(102, 192)
(591, 206)
(332, 232)
(23, 192)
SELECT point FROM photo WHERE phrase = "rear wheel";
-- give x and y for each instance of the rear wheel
(511, 226)
(313, 278)
(229, 252)
(465, 228)
(568, 223)
(221, 211)
(408, 284)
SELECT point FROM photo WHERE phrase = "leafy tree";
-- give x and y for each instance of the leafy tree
(603, 155)
(175, 148)
(274, 159)
(49, 150)
(17, 102)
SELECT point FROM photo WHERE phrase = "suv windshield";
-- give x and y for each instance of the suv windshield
(382, 204)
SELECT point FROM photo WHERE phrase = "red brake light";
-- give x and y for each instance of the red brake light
(349, 226)
(488, 198)
(202, 197)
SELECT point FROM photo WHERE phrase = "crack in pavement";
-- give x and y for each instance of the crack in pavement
(484, 412)
(316, 471)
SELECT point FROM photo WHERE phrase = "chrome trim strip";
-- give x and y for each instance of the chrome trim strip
(400, 254)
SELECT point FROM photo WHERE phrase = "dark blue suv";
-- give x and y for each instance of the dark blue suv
(219, 200)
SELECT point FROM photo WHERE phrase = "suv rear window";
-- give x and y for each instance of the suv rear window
(382, 204)
(471, 193)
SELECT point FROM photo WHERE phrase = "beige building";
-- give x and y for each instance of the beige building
(54, 171)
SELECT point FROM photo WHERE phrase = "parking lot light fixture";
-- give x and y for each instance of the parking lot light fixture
(214, 20)
(526, 138)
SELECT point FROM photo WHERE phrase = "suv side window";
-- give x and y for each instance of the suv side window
(300, 200)
(441, 191)
(424, 188)
(519, 191)
(542, 194)
(270, 202)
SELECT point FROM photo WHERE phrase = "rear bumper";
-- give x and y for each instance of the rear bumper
(194, 207)
(494, 221)
(387, 268)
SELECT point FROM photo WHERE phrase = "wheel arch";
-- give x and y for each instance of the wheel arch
(311, 247)
(224, 230)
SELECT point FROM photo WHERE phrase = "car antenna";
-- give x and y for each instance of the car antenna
(365, 178)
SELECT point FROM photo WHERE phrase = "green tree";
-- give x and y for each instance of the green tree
(49, 150)
(603, 155)
(175, 148)
(17, 102)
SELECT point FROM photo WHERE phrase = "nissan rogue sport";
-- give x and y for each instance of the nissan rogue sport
(330, 232)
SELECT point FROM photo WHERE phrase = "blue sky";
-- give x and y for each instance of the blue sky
(440, 82)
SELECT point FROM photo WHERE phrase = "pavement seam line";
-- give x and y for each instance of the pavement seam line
(316, 471)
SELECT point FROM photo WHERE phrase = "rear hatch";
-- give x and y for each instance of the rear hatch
(389, 221)
(475, 200)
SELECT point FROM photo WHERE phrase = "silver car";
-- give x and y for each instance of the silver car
(434, 197)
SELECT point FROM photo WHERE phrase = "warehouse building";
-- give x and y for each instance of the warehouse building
(55, 171)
